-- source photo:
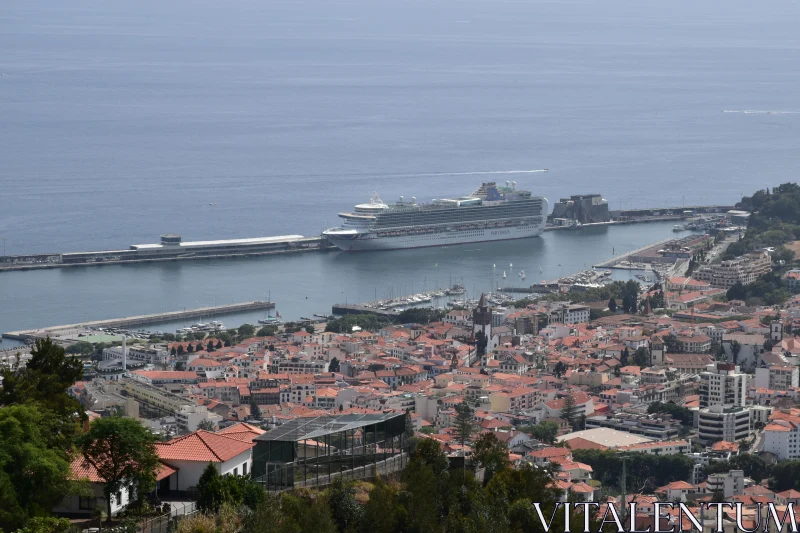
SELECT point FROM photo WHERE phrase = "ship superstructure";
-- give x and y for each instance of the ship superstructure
(491, 213)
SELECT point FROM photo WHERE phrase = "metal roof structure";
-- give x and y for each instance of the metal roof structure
(312, 428)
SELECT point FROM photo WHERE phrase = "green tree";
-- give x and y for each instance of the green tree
(612, 305)
(211, 489)
(569, 411)
(308, 515)
(33, 474)
(45, 380)
(219, 344)
(310, 329)
(246, 330)
(345, 510)
(124, 454)
(181, 350)
(46, 524)
(210, 346)
(481, 342)
(206, 425)
(671, 343)
(735, 349)
(420, 315)
(491, 454)
(173, 352)
(255, 410)
(199, 347)
(641, 357)
(383, 512)
(334, 365)
(80, 348)
(190, 348)
(267, 331)
(545, 431)
(463, 423)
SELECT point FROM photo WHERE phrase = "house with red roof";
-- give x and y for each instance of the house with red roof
(84, 470)
(192, 453)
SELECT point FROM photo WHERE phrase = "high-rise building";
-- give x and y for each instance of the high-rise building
(730, 423)
(722, 384)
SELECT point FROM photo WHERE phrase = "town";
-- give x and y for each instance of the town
(684, 390)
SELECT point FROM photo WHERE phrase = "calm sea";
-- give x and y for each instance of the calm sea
(123, 120)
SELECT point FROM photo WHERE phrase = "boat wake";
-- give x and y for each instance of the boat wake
(760, 112)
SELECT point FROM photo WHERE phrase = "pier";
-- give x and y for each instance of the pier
(171, 248)
(353, 309)
(141, 320)
(612, 263)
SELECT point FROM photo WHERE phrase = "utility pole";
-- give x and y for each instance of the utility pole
(624, 490)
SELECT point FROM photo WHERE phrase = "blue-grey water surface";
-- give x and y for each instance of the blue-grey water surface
(123, 120)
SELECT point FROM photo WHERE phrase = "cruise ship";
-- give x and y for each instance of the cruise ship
(492, 213)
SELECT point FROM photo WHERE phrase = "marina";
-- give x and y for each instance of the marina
(305, 283)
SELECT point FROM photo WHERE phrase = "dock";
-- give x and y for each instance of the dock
(612, 263)
(353, 309)
(171, 248)
(141, 320)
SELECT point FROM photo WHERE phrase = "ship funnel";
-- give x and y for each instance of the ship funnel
(401, 199)
(507, 183)
(413, 199)
(513, 184)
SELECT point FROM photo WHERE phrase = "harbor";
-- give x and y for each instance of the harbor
(305, 283)
(171, 247)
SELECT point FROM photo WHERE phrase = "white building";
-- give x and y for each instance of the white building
(777, 377)
(745, 270)
(190, 416)
(728, 423)
(782, 438)
(722, 384)
(192, 453)
(86, 504)
(576, 314)
(729, 483)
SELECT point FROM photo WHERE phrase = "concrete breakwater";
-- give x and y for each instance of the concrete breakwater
(141, 320)
(170, 249)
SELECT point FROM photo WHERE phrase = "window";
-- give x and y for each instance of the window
(244, 469)
(87, 503)
(236, 471)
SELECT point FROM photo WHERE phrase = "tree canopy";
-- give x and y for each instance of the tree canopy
(123, 452)
(33, 474)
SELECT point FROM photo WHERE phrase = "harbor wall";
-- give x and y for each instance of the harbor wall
(141, 320)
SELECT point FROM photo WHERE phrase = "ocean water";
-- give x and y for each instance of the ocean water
(123, 120)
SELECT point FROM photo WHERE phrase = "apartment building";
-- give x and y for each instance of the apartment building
(722, 384)
(777, 377)
(745, 270)
(730, 423)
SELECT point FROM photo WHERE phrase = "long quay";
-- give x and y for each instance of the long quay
(611, 263)
(141, 320)
(353, 309)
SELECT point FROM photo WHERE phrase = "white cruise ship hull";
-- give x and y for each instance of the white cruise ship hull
(367, 242)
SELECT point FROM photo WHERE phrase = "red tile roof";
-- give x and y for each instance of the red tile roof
(83, 469)
(202, 446)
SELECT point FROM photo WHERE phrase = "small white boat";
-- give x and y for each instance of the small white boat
(504, 274)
